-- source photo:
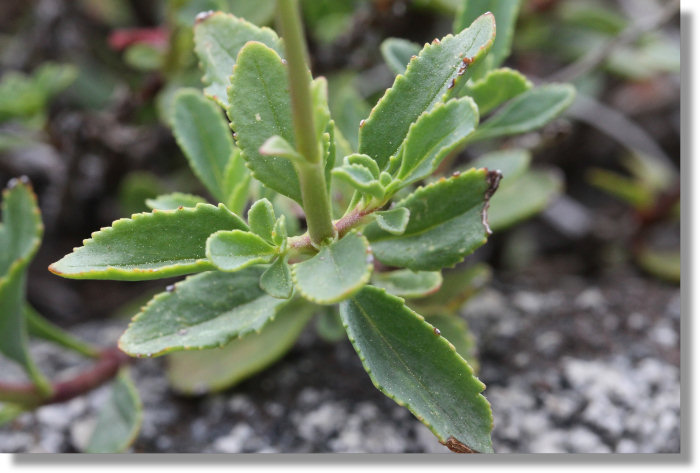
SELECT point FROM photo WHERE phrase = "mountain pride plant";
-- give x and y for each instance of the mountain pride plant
(380, 226)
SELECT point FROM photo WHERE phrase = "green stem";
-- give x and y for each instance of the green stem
(311, 174)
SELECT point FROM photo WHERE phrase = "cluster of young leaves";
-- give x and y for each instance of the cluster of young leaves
(20, 237)
(24, 101)
(646, 185)
(259, 281)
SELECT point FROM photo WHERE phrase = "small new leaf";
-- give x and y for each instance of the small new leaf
(363, 160)
(203, 311)
(277, 279)
(393, 221)
(361, 178)
(237, 180)
(235, 250)
(278, 146)
(261, 219)
(336, 272)
(155, 245)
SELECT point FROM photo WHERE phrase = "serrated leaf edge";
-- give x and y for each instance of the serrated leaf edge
(376, 384)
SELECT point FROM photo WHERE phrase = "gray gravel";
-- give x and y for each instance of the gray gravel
(582, 368)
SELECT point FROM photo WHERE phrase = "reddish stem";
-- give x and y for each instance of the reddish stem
(106, 368)
(342, 226)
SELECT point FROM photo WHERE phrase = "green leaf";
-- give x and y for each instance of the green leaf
(201, 131)
(9, 412)
(218, 38)
(174, 201)
(38, 326)
(203, 371)
(496, 87)
(319, 99)
(20, 236)
(506, 13)
(144, 57)
(234, 250)
(630, 190)
(336, 272)
(436, 134)
(393, 221)
(237, 179)
(527, 112)
(456, 331)
(363, 160)
(203, 311)
(278, 146)
(457, 287)
(428, 78)
(360, 178)
(261, 219)
(522, 197)
(447, 223)
(154, 245)
(21, 228)
(408, 284)
(347, 106)
(440, 390)
(328, 325)
(277, 279)
(665, 264)
(260, 107)
(512, 163)
(119, 420)
(522, 193)
(279, 232)
(259, 12)
(397, 53)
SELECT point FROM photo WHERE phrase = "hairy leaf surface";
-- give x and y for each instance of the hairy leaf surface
(204, 311)
(336, 272)
(154, 245)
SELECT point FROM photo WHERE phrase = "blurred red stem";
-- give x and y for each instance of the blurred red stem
(106, 368)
